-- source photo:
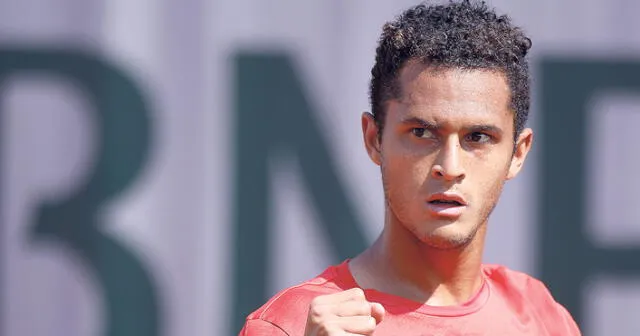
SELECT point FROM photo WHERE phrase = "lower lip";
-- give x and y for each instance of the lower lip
(446, 210)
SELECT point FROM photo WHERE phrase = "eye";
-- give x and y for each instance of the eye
(422, 133)
(479, 137)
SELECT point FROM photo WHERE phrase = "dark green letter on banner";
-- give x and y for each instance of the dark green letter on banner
(272, 111)
(123, 123)
(568, 256)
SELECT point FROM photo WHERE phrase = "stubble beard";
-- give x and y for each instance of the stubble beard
(433, 240)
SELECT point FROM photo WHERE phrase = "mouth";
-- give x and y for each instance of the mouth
(446, 202)
(450, 205)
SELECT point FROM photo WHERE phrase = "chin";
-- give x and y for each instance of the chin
(447, 237)
(447, 243)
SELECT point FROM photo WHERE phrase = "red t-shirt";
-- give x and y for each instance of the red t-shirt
(509, 303)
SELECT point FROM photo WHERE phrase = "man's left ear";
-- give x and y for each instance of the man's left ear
(522, 148)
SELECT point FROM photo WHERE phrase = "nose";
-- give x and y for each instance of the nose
(448, 165)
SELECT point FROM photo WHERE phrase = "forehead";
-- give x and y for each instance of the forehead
(452, 95)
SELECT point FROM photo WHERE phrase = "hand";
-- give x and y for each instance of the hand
(343, 313)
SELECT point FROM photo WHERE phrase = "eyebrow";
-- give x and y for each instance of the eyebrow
(434, 126)
(421, 122)
(485, 128)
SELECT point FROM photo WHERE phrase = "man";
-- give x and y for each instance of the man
(450, 99)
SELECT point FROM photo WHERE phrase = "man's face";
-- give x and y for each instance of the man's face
(446, 149)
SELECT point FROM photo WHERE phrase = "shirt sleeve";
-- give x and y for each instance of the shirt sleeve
(554, 315)
(258, 327)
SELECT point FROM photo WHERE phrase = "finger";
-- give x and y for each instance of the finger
(377, 311)
(348, 295)
(358, 324)
(353, 308)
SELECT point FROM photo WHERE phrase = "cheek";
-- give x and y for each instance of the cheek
(492, 163)
(488, 176)
(405, 171)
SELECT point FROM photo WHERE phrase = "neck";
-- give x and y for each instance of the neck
(400, 264)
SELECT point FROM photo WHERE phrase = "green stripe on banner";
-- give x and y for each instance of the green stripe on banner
(124, 129)
(272, 111)
(568, 258)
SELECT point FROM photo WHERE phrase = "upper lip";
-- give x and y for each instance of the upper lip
(447, 196)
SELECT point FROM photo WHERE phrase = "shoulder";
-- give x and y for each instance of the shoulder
(526, 293)
(287, 310)
(513, 281)
(516, 286)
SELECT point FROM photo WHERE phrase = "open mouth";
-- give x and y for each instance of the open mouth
(447, 207)
(446, 202)
(451, 205)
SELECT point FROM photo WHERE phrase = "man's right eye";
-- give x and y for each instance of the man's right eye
(421, 132)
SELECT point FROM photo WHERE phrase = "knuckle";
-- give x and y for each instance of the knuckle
(358, 293)
(370, 324)
(316, 301)
(316, 312)
(363, 307)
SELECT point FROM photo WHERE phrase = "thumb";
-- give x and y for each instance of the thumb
(377, 312)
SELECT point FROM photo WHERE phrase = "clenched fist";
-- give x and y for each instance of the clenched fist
(343, 313)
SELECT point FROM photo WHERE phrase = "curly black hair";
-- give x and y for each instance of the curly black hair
(459, 34)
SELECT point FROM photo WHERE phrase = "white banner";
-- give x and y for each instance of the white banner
(155, 171)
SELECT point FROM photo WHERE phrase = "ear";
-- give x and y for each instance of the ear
(371, 139)
(523, 145)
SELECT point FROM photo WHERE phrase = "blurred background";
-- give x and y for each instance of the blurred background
(166, 166)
